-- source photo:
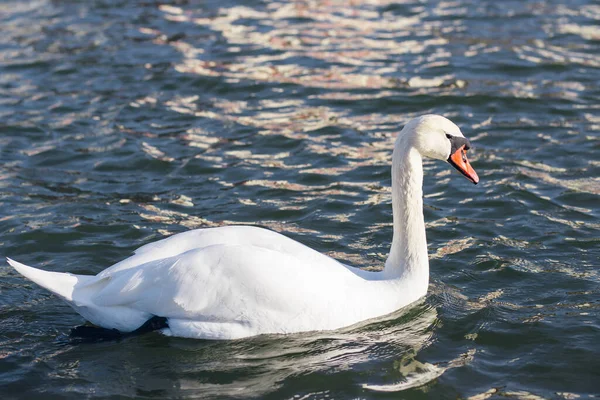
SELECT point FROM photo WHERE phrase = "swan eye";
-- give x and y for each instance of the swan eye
(449, 136)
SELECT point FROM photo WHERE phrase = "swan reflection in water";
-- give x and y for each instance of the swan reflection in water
(260, 365)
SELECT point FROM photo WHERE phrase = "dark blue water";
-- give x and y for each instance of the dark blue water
(123, 123)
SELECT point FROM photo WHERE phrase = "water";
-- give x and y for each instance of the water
(123, 123)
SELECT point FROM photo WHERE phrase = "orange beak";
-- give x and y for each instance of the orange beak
(459, 161)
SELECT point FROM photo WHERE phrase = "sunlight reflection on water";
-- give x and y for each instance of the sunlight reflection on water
(123, 123)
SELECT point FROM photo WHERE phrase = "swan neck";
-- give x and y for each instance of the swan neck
(408, 258)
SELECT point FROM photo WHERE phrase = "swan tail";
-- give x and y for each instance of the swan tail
(79, 291)
(61, 284)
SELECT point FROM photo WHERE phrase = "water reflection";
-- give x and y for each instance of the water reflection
(260, 366)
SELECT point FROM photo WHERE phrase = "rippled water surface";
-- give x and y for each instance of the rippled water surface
(124, 122)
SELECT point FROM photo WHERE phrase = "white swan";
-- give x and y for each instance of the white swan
(239, 281)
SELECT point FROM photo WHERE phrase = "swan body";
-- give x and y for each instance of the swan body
(238, 281)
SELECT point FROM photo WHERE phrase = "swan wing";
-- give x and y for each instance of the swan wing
(202, 238)
(238, 290)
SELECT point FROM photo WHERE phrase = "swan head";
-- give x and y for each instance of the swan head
(437, 137)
